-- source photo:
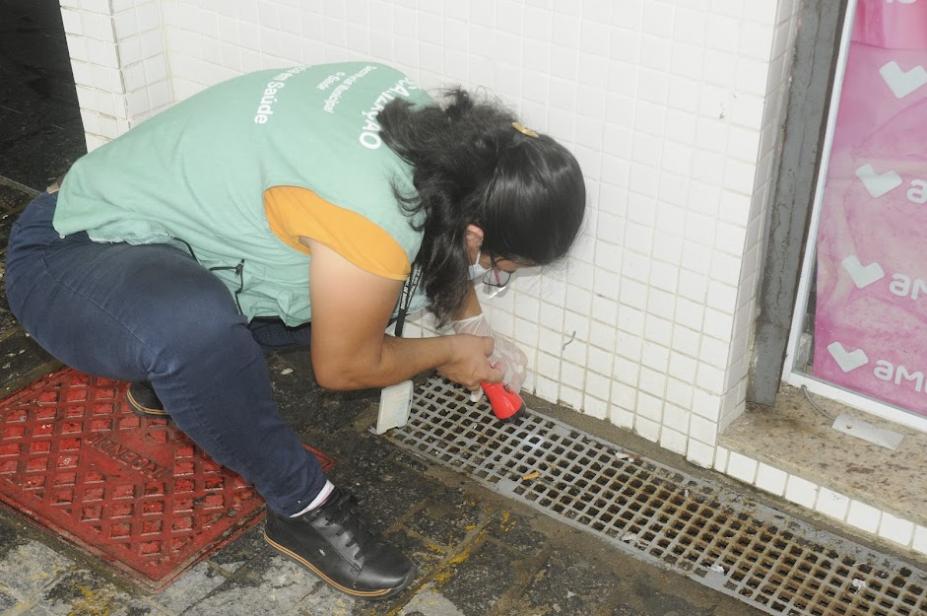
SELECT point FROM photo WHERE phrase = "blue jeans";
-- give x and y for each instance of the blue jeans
(152, 313)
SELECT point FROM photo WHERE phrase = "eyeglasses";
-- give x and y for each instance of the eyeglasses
(496, 277)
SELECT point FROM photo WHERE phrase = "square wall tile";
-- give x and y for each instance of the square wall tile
(722, 454)
(771, 479)
(597, 385)
(896, 529)
(676, 418)
(920, 539)
(96, 6)
(704, 430)
(700, 453)
(710, 379)
(706, 405)
(649, 407)
(571, 397)
(72, 21)
(682, 367)
(742, 467)
(801, 491)
(761, 12)
(548, 389)
(863, 516)
(621, 417)
(97, 26)
(594, 407)
(648, 429)
(832, 504)
(673, 440)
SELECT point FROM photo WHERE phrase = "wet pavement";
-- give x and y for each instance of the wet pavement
(40, 126)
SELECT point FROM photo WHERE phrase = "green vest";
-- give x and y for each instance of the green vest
(195, 175)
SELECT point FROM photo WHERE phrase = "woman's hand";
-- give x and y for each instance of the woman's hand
(506, 355)
(469, 364)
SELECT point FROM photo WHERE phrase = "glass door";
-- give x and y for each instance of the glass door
(859, 332)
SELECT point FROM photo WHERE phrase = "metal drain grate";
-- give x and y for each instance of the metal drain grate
(744, 549)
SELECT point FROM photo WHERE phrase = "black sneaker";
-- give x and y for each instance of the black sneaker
(331, 541)
(144, 401)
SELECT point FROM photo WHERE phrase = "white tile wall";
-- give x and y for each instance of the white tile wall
(119, 62)
(672, 108)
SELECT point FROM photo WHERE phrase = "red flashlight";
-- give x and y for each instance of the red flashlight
(506, 405)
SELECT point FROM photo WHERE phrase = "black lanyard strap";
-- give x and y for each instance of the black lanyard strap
(405, 299)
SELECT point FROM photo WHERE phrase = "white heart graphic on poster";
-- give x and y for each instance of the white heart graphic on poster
(862, 276)
(848, 361)
(902, 82)
(877, 184)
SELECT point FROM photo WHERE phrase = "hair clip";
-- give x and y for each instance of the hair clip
(524, 130)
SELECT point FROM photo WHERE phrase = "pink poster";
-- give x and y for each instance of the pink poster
(871, 301)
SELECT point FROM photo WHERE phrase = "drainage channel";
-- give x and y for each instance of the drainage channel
(721, 539)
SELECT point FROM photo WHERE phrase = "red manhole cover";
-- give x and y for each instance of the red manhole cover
(131, 490)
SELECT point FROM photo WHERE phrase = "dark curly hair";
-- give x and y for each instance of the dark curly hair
(470, 165)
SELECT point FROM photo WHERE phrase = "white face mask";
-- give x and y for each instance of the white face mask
(477, 270)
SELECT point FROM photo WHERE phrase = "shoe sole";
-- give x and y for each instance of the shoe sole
(384, 593)
(140, 409)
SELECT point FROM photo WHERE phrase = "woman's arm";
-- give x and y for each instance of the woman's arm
(350, 311)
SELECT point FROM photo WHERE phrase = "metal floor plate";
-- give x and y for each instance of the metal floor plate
(134, 491)
(706, 532)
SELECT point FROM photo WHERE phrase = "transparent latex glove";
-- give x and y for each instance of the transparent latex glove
(475, 326)
(512, 360)
(505, 354)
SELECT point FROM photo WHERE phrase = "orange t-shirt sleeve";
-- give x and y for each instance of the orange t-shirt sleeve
(293, 212)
